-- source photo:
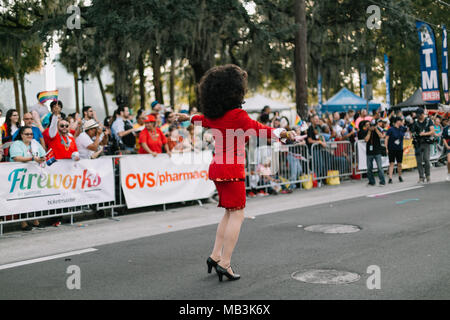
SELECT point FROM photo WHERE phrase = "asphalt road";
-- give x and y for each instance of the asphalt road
(408, 241)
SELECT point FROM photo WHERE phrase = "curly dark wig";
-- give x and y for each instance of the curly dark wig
(222, 89)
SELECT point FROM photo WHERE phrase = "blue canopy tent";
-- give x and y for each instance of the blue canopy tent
(346, 100)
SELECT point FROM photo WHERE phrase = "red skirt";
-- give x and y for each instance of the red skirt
(232, 194)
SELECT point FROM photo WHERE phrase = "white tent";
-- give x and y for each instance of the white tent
(257, 103)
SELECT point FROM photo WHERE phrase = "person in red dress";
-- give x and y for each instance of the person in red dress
(222, 91)
(152, 139)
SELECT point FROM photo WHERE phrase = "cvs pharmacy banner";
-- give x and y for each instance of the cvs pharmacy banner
(27, 187)
(148, 180)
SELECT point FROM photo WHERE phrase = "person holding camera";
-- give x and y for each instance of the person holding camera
(123, 131)
(91, 141)
(374, 151)
(423, 137)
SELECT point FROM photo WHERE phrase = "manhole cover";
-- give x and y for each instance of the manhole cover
(333, 228)
(326, 276)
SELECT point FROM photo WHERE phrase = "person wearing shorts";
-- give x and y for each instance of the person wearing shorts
(394, 147)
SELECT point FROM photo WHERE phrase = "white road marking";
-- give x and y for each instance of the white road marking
(56, 256)
(394, 191)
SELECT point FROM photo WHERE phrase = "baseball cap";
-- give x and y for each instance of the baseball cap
(150, 118)
(154, 103)
(420, 111)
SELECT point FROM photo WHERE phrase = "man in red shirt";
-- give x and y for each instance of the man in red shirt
(61, 141)
(152, 139)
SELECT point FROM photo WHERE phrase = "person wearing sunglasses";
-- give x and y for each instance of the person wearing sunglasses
(61, 141)
(26, 149)
(29, 121)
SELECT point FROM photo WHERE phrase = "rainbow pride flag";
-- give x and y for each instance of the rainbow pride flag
(164, 128)
(45, 96)
(297, 120)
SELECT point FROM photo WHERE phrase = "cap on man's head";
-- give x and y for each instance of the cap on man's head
(154, 103)
(150, 118)
(420, 111)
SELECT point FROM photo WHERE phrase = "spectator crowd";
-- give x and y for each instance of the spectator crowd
(58, 136)
(44, 136)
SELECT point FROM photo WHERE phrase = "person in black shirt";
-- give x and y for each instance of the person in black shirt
(423, 132)
(394, 146)
(374, 151)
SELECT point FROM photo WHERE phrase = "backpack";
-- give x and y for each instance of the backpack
(129, 140)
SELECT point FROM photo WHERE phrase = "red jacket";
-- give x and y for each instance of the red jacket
(230, 134)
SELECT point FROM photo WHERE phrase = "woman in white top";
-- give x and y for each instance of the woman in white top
(26, 149)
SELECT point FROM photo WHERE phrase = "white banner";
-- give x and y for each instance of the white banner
(362, 158)
(148, 181)
(26, 187)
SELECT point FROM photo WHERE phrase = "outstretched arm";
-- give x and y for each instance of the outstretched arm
(246, 124)
(250, 125)
(195, 119)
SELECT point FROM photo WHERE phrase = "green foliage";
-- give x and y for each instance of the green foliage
(199, 34)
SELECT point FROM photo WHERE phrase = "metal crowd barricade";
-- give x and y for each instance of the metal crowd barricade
(261, 162)
(295, 167)
(336, 157)
(119, 202)
(119, 199)
(276, 166)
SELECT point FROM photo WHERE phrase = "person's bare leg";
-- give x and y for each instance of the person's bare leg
(391, 170)
(231, 237)
(220, 236)
(399, 169)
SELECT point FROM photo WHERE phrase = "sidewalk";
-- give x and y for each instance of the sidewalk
(18, 246)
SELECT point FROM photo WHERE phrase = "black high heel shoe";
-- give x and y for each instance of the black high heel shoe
(211, 263)
(221, 272)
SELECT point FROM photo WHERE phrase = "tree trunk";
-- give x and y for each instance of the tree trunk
(301, 59)
(199, 68)
(123, 70)
(141, 69)
(156, 65)
(22, 89)
(77, 92)
(172, 82)
(16, 93)
(102, 90)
